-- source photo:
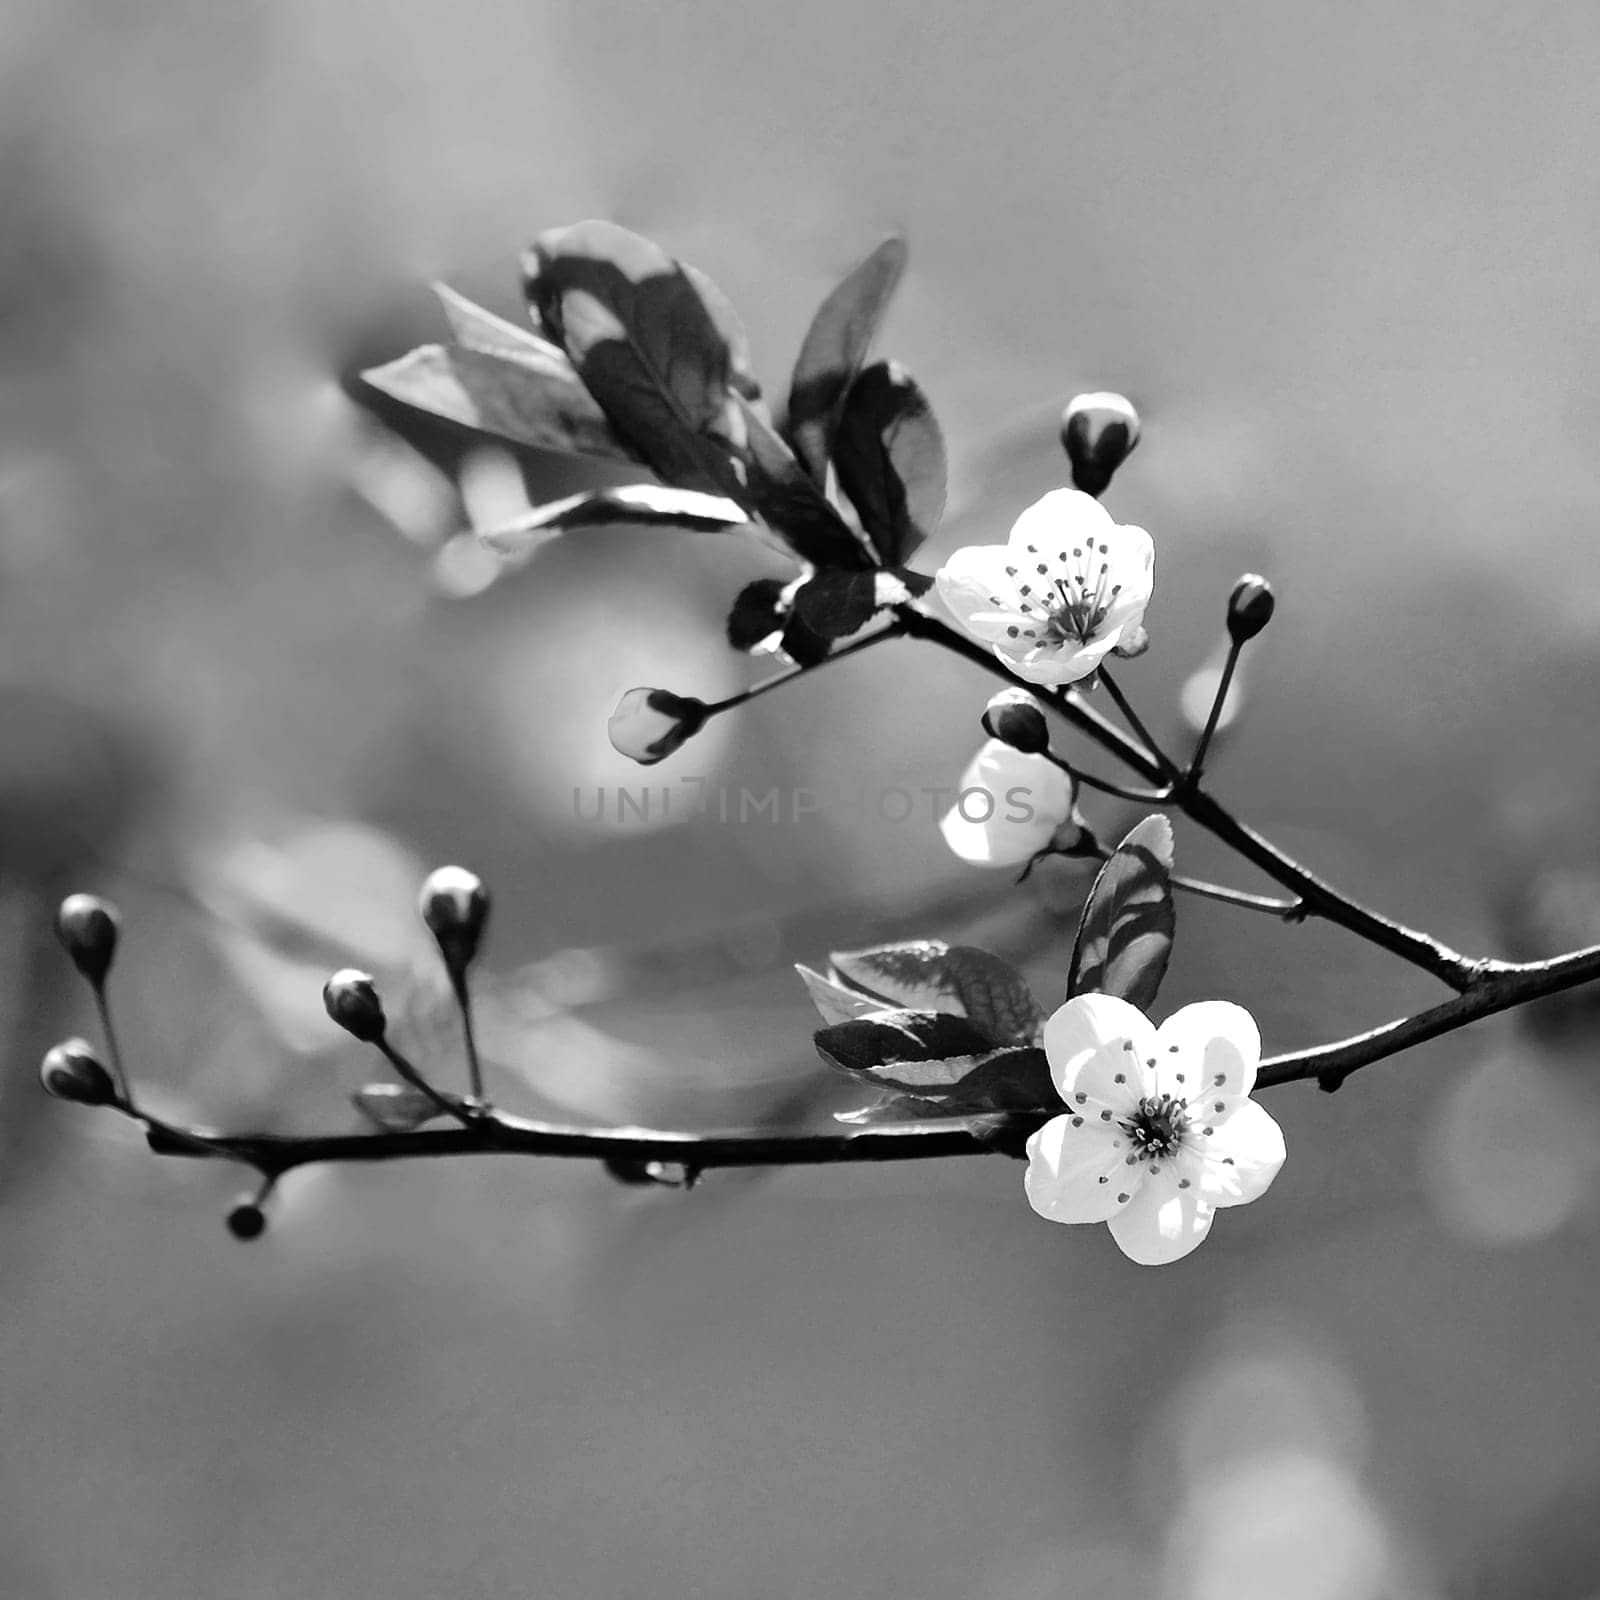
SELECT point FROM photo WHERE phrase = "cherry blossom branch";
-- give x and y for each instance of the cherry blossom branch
(1499, 987)
(1318, 897)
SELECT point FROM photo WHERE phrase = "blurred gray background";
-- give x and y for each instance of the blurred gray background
(1343, 259)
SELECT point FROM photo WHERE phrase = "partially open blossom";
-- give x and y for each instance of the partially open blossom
(1059, 594)
(1008, 807)
(1160, 1130)
(649, 724)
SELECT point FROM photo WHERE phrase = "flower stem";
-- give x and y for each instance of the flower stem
(1198, 759)
(895, 630)
(1320, 898)
(1125, 706)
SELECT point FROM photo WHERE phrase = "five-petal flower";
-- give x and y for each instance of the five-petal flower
(1059, 594)
(1160, 1130)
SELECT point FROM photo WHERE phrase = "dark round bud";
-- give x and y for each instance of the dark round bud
(1014, 718)
(72, 1071)
(1250, 607)
(649, 724)
(247, 1220)
(455, 906)
(1098, 432)
(352, 1001)
(87, 926)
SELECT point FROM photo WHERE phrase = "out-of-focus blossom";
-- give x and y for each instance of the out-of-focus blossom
(1160, 1129)
(1060, 594)
(1008, 807)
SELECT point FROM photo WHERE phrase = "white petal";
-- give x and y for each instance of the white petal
(1060, 517)
(1162, 1222)
(1098, 1047)
(979, 593)
(1075, 1171)
(1208, 1052)
(1008, 807)
(1238, 1160)
(1057, 663)
(1131, 553)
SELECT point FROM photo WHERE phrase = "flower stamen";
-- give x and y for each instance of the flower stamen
(1158, 1127)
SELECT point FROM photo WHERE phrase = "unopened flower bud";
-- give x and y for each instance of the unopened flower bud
(1014, 718)
(1250, 607)
(1098, 432)
(247, 1220)
(455, 906)
(72, 1071)
(1134, 642)
(352, 1001)
(649, 724)
(87, 926)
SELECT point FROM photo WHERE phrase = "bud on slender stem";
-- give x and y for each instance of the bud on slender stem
(455, 906)
(352, 1001)
(87, 927)
(72, 1071)
(649, 724)
(1250, 607)
(1098, 432)
(1014, 718)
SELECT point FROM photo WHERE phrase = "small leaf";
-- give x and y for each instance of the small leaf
(523, 400)
(927, 974)
(890, 457)
(1125, 937)
(896, 1036)
(833, 1000)
(474, 328)
(647, 348)
(792, 504)
(1014, 1079)
(904, 1052)
(835, 346)
(639, 505)
(759, 614)
(394, 1107)
(835, 603)
(731, 326)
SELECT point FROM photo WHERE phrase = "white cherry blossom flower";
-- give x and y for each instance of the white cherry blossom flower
(1008, 807)
(1060, 594)
(1160, 1130)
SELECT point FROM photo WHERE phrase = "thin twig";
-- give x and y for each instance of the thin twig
(1499, 987)
(1420, 949)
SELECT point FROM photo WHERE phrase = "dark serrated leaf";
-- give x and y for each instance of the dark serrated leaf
(1125, 937)
(927, 974)
(791, 503)
(635, 327)
(896, 1036)
(741, 374)
(835, 603)
(642, 505)
(890, 458)
(835, 346)
(1013, 1079)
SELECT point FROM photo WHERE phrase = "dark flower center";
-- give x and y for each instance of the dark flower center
(1158, 1126)
(1085, 597)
